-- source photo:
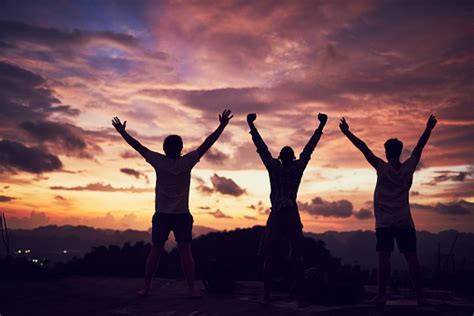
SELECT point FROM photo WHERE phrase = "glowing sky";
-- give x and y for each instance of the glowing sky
(169, 67)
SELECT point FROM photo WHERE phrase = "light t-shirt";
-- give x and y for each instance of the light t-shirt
(391, 203)
(173, 177)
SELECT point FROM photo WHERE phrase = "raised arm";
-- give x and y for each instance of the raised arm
(424, 137)
(262, 148)
(313, 141)
(224, 119)
(369, 155)
(142, 150)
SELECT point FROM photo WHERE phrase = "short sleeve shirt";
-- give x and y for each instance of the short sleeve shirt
(391, 196)
(173, 177)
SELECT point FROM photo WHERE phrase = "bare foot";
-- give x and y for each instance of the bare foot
(379, 300)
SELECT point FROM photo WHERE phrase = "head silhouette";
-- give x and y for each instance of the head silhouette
(172, 146)
(393, 148)
(287, 155)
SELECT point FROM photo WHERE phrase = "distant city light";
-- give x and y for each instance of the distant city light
(27, 250)
(64, 251)
(19, 251)
(35, 260)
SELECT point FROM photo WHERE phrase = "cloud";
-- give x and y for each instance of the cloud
(252, 218)
(452, 176)
(62, 137)
(363, 213)
(226, 186)
(260, 208)
(456, 208)
(135, 173)
(222, 185)
(4, 198)
(15, 157)
(52, 37)
(101, 187)
(219, 214)
(35, 219)
(216, 156)
(320, 207)
(127, 154)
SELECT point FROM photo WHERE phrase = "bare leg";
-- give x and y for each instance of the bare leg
(150, 267)
(267, 278)
(187, 264)
(383, 275)
(415, 274)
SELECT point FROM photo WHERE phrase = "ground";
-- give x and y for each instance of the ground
(116, 296)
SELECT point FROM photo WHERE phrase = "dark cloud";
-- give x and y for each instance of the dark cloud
(216, 156)
(60, 198)
(202, 187)
(363, 213)
(64, 138)
(219, 214)
(35, 219)
(222, 185)
(15, 157)
(226, 186)
(456, 208)
(101, 187)
(453, 176)
(320, 207)
(51, 37)
(4, 198)
(135, 173)
(127, 154)
(260, 208)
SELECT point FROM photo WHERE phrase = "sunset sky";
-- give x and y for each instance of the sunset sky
(170, 67)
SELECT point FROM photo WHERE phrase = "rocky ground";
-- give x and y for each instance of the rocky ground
(116, 296)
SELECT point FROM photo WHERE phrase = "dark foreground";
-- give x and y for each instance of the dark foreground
(116, 296)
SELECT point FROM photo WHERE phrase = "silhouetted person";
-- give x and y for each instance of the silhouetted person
(284, 220)
(391, 206)
(173, 174)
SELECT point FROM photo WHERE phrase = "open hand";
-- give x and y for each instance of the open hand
(323, 118)
(251, 117)
(431, 122)
(344, 126)
(225, 117)
(118, 125)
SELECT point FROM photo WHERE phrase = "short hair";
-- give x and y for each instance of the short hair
(393, 148)
(172, 146)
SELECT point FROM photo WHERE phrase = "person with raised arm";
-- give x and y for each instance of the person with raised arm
(173, 175)
(284, 221)
(393, 220)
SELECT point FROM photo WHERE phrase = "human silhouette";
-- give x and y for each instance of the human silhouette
(173, 174)
(393, 220)
(284, 220)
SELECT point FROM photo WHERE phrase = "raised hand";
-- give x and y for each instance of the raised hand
(225, 117)
(323, 118)
(118, 125)
(344, 126)
(251, 117)
(431, 123)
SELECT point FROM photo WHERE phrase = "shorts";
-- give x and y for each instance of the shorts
(180, 224)
(283, 227)
(406, 239)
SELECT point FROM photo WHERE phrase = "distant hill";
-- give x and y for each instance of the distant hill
(61, 243)
(353, 247)
(359, 247)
